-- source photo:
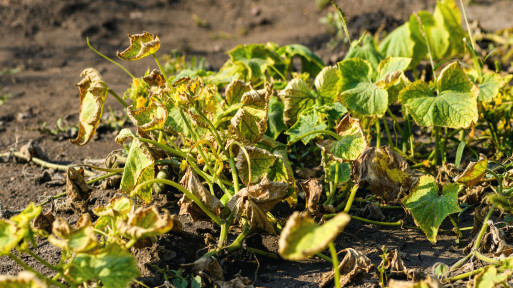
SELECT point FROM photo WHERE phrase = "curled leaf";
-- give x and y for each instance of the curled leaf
(353, 264)
(187, 206)
(78, 239)
(155, 79)
(123, 135)
(474, 172)
(77, 190)
(384, 170)
(93, 92)
(145, 222)
(24, 279)
(148, 118)
(351, 144)
(44, 221)
(235, 90)
(112, 265)
(253, 202)
(139, 167)
(208, 265)
(141, 45)
(313, 192)
(302, 237)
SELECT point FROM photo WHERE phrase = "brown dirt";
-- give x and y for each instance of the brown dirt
(45, 39)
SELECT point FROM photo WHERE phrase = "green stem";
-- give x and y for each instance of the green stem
(130, 243)
(236, 244)
(483, 229)
(103, 177)
(220, 118)
(378, 134)
(485, 258)
(110, 60)
(120, 100)
(320, 255)
(456, 227)
(434, 161)
(465, 275)
(38, 274)
(183, 190)
(263, 253)
(398, 223)
(160, 67)
(387, 131)
(235, 177)
(351, 198)
(334, 259)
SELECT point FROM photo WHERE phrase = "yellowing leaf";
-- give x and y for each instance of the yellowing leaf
(139, 167)
(296, 97)
(114, 266)
(93, 92)
(260, 160)
(8, 236)
(141, 45)
(474, 172)
(352, 141)
(302, 237)
(81, 238)
(490, 277)
(235, 90)
(148, 118)
(24, 279)
(428, 208)
(145, 222)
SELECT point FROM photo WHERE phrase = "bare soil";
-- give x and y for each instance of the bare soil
(46, 40)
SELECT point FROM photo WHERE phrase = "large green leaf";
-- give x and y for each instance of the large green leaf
(141, 45)
(114, 266)
(448, 14)
(428, 208)
(398, 43)
(260, 161)
(328, 84)
(352, 141)
(436, 33)
(139, 167)
(255, 58)
(367, 50)
(296, 97)
(302, 237)
(453, 105)
(93, 92)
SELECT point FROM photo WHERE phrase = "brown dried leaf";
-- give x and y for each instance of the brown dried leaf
(384, 170)
(210, 266)
(372, 211)
(253, 202)
(395, 264)
(238, 282)
(187, 206)
(313, 192)
(474, 172)
(32, 149)
(77, 190)
(494, 242)
(353, 264)
(141, 45)
(155, 79)
(44, 221)
(78, 239)
(429, 282)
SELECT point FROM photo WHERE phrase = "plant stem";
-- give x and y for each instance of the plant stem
(43, 163)
(378, 134)
(398, 223)
(110, 60)
(120, 100)
(351, 198)
(320, 255)
(485, 258)
(334, 259)
(465, 275)
(38, 274)
(102, 177)
(263, 253)
(387, 131)
(183, 190)
(236, 244)
(160, 67)
(456, 227)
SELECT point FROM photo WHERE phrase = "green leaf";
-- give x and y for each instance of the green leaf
(398, 43)
(302, 237)
(24, 279)
(255, 59)
(436, 33)
(344, 171)
(359, 94)
(352, 141)
(281, 171)
(296, 97)
(448, 13)
(276, 123)
(310, 63)
(141, 45)
(112, 265)
(250, 122)
(489, 87)
(308, 121)
(428, 208)
(328, 84)
(454, 106)
(260, 159)
(8, 236)
(80, 238)
(490, 277)
(93, 92)
(139, 168)
(368, 50)
(390, 69)
(474, 172)
(148, 118)
(174, 122)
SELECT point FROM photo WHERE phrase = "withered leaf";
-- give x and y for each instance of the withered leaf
(395, 265)
(372, 211)
(313, 192)
(77, 190)
(384, 170)
(145, 222)
(141, 45)
(261, 161)
(237, 282)
(429, 282)
(235, 90)
(253, 203)
(93, 92)
(474, 172)
(155, 78)
(32, 149)
(210, 266)
(24, 279)
(187, 206)
(44, 221)
(353, 264)
(351, 144)
(79, 238)
(148, 118)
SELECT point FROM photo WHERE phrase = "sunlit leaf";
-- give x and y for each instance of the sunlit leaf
(114, 266)
(141, 45)
(489, 87)
(344, 171)
(8, 236)
(384, 170)
(351, 144)
(18, 228)
(308, 121)
(398, 43)
(296, 97)
(77, 190)
(260, 159)
(328, 84)
(276, 123)
(187, 206)
(390, 69)
(80, 238)
(145, 222)
(474, 172)
(253, 202)
(255, 59)
(367, 50)
(490, 277)
(24, 279)
(148, 118)
(119, 206)
(302, 237)
(139, 167)
(452, 104)
(93, 92)
(429, 208)
(235, 90)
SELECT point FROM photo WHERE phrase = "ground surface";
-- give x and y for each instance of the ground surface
(45, 39)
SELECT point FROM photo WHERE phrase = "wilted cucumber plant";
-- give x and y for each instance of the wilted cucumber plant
(238, 136)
